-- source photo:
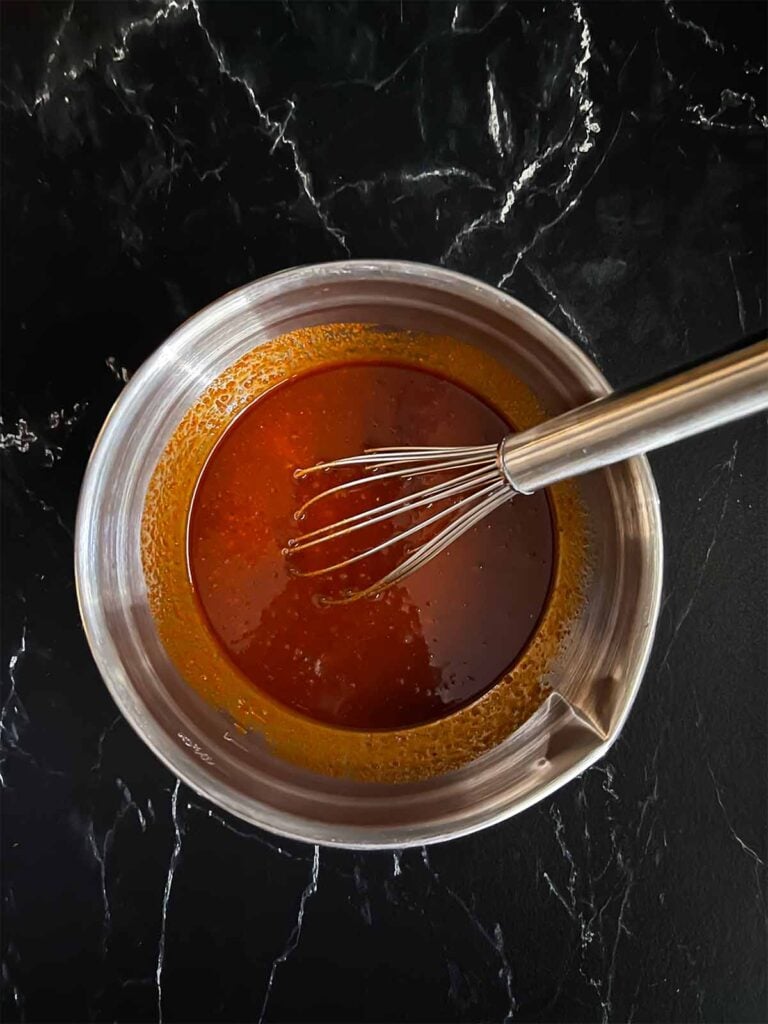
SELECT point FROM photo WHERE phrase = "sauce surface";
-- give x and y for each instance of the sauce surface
(421, 649)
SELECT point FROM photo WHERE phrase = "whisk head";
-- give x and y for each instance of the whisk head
(461, 487)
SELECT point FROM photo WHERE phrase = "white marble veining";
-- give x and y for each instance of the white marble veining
(606, 169)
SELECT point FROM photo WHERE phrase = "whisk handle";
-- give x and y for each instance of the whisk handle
(624, 424)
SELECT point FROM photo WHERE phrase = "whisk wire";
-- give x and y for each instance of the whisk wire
(421, 469)
(392, 509)
(496, 496)
(405, 534)
(376, 456)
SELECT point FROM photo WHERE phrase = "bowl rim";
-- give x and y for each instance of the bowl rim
(181, 765)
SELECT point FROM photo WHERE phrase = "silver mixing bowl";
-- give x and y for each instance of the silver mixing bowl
(594, 680)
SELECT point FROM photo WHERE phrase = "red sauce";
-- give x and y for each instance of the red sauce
(421, 649)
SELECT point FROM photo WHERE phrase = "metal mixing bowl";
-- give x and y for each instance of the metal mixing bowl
(595, 678)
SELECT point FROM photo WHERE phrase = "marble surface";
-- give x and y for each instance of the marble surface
(603, 162)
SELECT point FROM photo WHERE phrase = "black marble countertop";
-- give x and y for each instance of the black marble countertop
(605, 163)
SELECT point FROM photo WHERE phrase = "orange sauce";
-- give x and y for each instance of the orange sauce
(213, 636)
(422, 648)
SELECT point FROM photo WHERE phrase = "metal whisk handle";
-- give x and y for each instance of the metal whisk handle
(628, 423)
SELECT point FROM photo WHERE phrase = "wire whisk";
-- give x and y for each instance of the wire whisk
(484, 477)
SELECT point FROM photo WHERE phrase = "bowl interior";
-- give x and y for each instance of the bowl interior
(594, 679)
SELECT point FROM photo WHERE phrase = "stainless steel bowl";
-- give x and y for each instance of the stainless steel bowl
(594, 680)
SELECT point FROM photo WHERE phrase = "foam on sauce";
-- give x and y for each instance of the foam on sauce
(472, 645)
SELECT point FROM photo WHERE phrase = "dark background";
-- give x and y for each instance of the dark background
(606, 164)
